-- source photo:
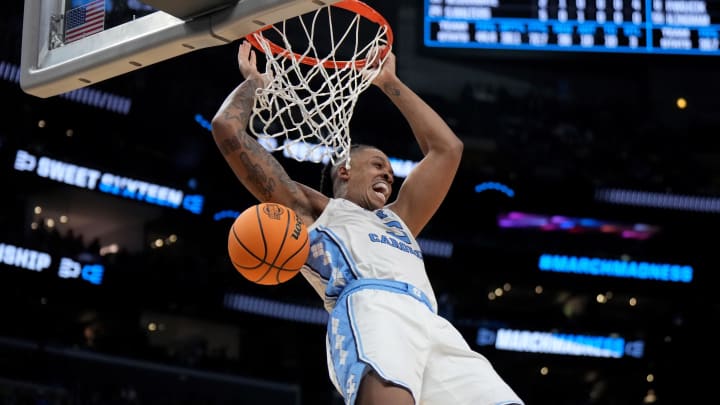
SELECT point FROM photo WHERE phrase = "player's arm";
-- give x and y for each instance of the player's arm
(254, 166)
(426, 186)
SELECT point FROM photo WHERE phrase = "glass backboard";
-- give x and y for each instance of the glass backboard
(70, 44)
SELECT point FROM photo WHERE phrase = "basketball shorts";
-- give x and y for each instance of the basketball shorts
(389, 327)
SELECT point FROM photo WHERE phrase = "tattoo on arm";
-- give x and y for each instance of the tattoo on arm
(260, 175)
(262, 172)
(256, 174)
(241, 103)
(392, 90)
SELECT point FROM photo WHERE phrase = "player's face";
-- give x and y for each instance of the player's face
(370, 178)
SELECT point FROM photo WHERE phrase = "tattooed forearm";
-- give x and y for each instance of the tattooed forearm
(241, 102)
(254, 166)
(229, 145)
(263, 171)
(257, 176)
(392, 90)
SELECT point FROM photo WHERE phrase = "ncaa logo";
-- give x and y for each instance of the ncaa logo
(273, 211)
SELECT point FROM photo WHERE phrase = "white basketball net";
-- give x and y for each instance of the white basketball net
(305, 109)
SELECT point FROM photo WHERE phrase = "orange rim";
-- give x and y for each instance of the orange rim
(355, 6)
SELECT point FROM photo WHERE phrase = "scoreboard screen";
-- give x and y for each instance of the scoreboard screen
(690, 27)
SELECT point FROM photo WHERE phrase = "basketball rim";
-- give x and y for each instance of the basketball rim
(355, 6)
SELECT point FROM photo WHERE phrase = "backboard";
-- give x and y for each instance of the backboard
(51, 64)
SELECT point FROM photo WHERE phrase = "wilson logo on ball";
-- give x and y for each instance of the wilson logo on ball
(298, 228)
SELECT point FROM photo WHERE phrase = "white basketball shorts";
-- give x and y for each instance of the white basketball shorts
(388, 326)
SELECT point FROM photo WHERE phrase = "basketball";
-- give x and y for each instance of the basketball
(268, 243)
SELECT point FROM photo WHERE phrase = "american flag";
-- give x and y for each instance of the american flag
(84, 20)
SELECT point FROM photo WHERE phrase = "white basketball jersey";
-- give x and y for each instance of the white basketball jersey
(348, 242)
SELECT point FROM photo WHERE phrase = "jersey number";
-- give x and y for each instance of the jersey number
(394, 227)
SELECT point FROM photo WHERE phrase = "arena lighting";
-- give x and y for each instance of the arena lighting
(491, 185)
(658, 200)
(594, 266)
(305, 152)
(108, 183)
(275, 309)
(38, 261)
(87, 96)
(226, 214)
(560, 343)
(560, 223)
(401, 167)
(436, 248)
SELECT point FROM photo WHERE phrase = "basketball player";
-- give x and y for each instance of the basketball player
(385, 342)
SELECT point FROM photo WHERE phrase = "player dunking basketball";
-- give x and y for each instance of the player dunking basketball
(385, 342)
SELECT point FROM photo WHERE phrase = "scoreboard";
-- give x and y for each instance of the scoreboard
(690, 27)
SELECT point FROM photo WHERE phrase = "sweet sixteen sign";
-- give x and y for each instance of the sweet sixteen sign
(109, 183)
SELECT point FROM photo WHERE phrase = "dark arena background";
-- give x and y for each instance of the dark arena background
(577, 249)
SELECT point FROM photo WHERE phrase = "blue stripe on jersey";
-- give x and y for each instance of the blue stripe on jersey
(331, 260)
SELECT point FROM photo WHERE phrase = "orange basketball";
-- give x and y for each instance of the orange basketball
(268, 243)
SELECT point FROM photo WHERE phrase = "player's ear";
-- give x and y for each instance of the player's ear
(343, 172)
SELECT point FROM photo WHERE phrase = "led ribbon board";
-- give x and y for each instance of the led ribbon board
(560, 343)
(595, 266)
(37, 261)
(106, 182)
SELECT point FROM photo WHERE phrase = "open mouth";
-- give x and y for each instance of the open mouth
(381, 189)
